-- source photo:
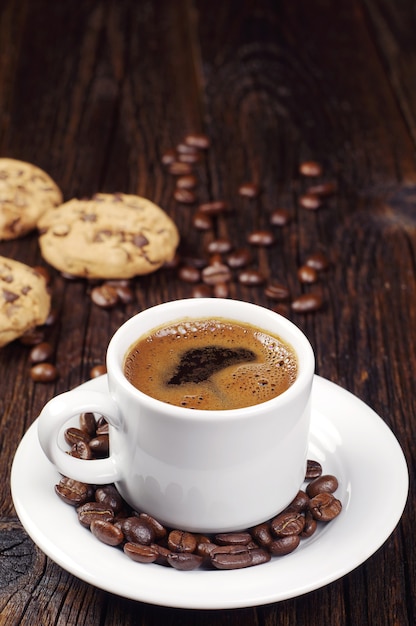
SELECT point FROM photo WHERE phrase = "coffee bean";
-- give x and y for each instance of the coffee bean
(261, 238)
(310, 525)
(300, 502)
(184, 196)
(52, 318)
(284, 545)
(238, 557)
(318, 261)
(241, 257)
(140, 553)
(94, 510)
(186, 182)
(185, 561)
(183, 148)
(307, 302)
(221, 290)
(189, 157)
(219, 246)
(158, 529)
(307, 274)
(251, 278)
(100, 445)
(81, 450)
(41, 352)
(311, 168)
(280, 217)
(32, 337)
(123, 288)
(327, 483)
(201, 291)
(73, 492)
(198, 140)
(98, 370)
(276, 291)
(201, 221)
(43, 372)
(214, 208)
(313, 469)
(178, 168)
(105, 296)
(325, 507)
(137, 530)
(232, 539)
(181, 541)
(215, 274)
(249, 190)
(168, 157)
(189, 274)
(109, 496)
(310, 201)
(106, 532)
(323, 189)
(262, 534)
(74, 435)
(287, 523)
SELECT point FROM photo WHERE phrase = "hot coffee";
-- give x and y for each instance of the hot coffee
(211, 364)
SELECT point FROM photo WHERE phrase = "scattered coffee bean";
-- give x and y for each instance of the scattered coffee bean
(201, 221)
(43, 372)
(307, 303)
(233, 539)
(251, 278)
(74, 435)
(88, 424)
(90, 511)
(249, 190)
(189, 157)
(307, 274)
(183, 148)
(141, 554)
(300, 502)
(137, 530)
(178, 168)
(313, 469)
(81, 450)
(184, 561)
(310, 201)
(181, 541)
(198, 140)
(109, 496)
(311, 168)
(105, 296)
(323, 189)
(325, 507)
(219, 246)
(106, 532)
(221, 290)
(284, 545)
(40, 352)
(99, 445)
(241, 257)
(32, 337)
(326, 483)
(168, 157)
(186, 182)
(201, 291)
(280, 217)
(318, 261)
(310, 527)
(260, 238)
(189, 274)
(74, 492)
(98, 370)
(216, 274)
(277, 291)
(184, 196)
(287, 523)
(214, 208)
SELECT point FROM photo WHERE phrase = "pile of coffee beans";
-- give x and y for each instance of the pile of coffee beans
(146, 540)
(212, 273)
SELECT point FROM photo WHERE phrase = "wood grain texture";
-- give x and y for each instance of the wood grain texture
(95, 92)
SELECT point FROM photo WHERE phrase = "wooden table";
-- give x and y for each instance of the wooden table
(95, 93)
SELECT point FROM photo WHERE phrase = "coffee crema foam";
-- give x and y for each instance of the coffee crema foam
(211, 364)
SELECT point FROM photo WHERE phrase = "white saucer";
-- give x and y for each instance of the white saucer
(347, 437)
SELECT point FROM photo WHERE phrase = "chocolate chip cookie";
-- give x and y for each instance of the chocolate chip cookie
(26, 192)
(24, 299)
(109, 236)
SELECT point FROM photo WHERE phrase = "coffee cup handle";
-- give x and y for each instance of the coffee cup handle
(52, 419)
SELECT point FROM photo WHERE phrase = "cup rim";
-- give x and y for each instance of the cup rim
(233, 310)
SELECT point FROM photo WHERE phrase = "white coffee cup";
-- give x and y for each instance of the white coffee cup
(197, 470)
